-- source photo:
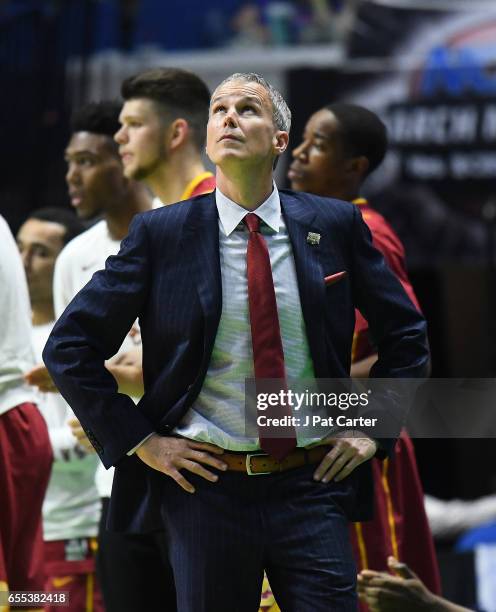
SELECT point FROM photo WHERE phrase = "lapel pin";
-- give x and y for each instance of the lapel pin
(313, 238)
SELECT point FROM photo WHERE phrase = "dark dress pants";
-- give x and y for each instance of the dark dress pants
(134, 571)
(223, 536)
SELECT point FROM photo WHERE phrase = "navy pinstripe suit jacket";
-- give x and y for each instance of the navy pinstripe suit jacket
(167, 273)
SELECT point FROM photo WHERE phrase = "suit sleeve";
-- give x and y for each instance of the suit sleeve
(399, 330)
(91, 330)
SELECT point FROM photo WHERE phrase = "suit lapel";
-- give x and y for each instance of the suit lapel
(300, 220)
(201, 245)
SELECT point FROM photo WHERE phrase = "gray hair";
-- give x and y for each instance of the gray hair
(281, 114)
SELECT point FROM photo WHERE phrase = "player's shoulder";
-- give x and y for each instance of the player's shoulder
(326, 208)
(379, 225)
(4, 227)
(81, 244)
(373, 216)
(178, 211)
(89, 236)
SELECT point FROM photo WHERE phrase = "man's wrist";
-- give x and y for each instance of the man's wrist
(133, 450)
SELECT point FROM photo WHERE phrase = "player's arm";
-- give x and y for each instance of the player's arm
(126, 368)
(65, 446)
(39, 377)
(398, 328)
(403, 591)
(79, 435)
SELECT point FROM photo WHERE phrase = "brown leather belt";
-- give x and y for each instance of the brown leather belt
(258, 463)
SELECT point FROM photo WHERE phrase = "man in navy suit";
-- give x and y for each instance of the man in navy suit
(191, 272)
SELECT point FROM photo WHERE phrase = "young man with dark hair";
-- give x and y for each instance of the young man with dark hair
(96, 185)
(162, 137)
(71, 509)
(94, 175)
(40, 239)
(216, 306)
(71, 224)
(346, 143)
(161, 140)
(342, 144)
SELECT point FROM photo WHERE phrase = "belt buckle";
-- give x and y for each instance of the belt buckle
(248, 464)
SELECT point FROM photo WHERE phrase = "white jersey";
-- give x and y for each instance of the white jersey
(76, 264)
(79, 260)
(72, 504)
(16, 352)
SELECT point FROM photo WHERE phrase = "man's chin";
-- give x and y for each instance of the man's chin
(84, 215)
(139, 173)
(130, 172)
(87, 214)
(221, 154)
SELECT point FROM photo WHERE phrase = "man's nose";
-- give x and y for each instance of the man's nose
(26, 259)
(231, 118)
(71, 176)
(300, 151)
(120, 136)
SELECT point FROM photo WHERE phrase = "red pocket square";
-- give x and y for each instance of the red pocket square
(334, 278)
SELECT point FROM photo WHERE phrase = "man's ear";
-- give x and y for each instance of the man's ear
(177, 133)
(280, 142)
(358, 166)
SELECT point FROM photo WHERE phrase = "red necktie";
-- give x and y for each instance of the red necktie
(268, 356)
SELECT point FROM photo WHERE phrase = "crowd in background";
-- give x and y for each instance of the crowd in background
(221, 23)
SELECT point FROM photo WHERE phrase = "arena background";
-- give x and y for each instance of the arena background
(428, 68)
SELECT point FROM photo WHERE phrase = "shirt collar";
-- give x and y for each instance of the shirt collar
(231, 214)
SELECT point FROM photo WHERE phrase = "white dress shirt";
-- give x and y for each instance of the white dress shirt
(218, 414)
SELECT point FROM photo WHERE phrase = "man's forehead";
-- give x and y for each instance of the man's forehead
(89, 142)
(317, 132)
(86, 141)
(242, 89)
(41, 231)
(136, 107)
(322, 124)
